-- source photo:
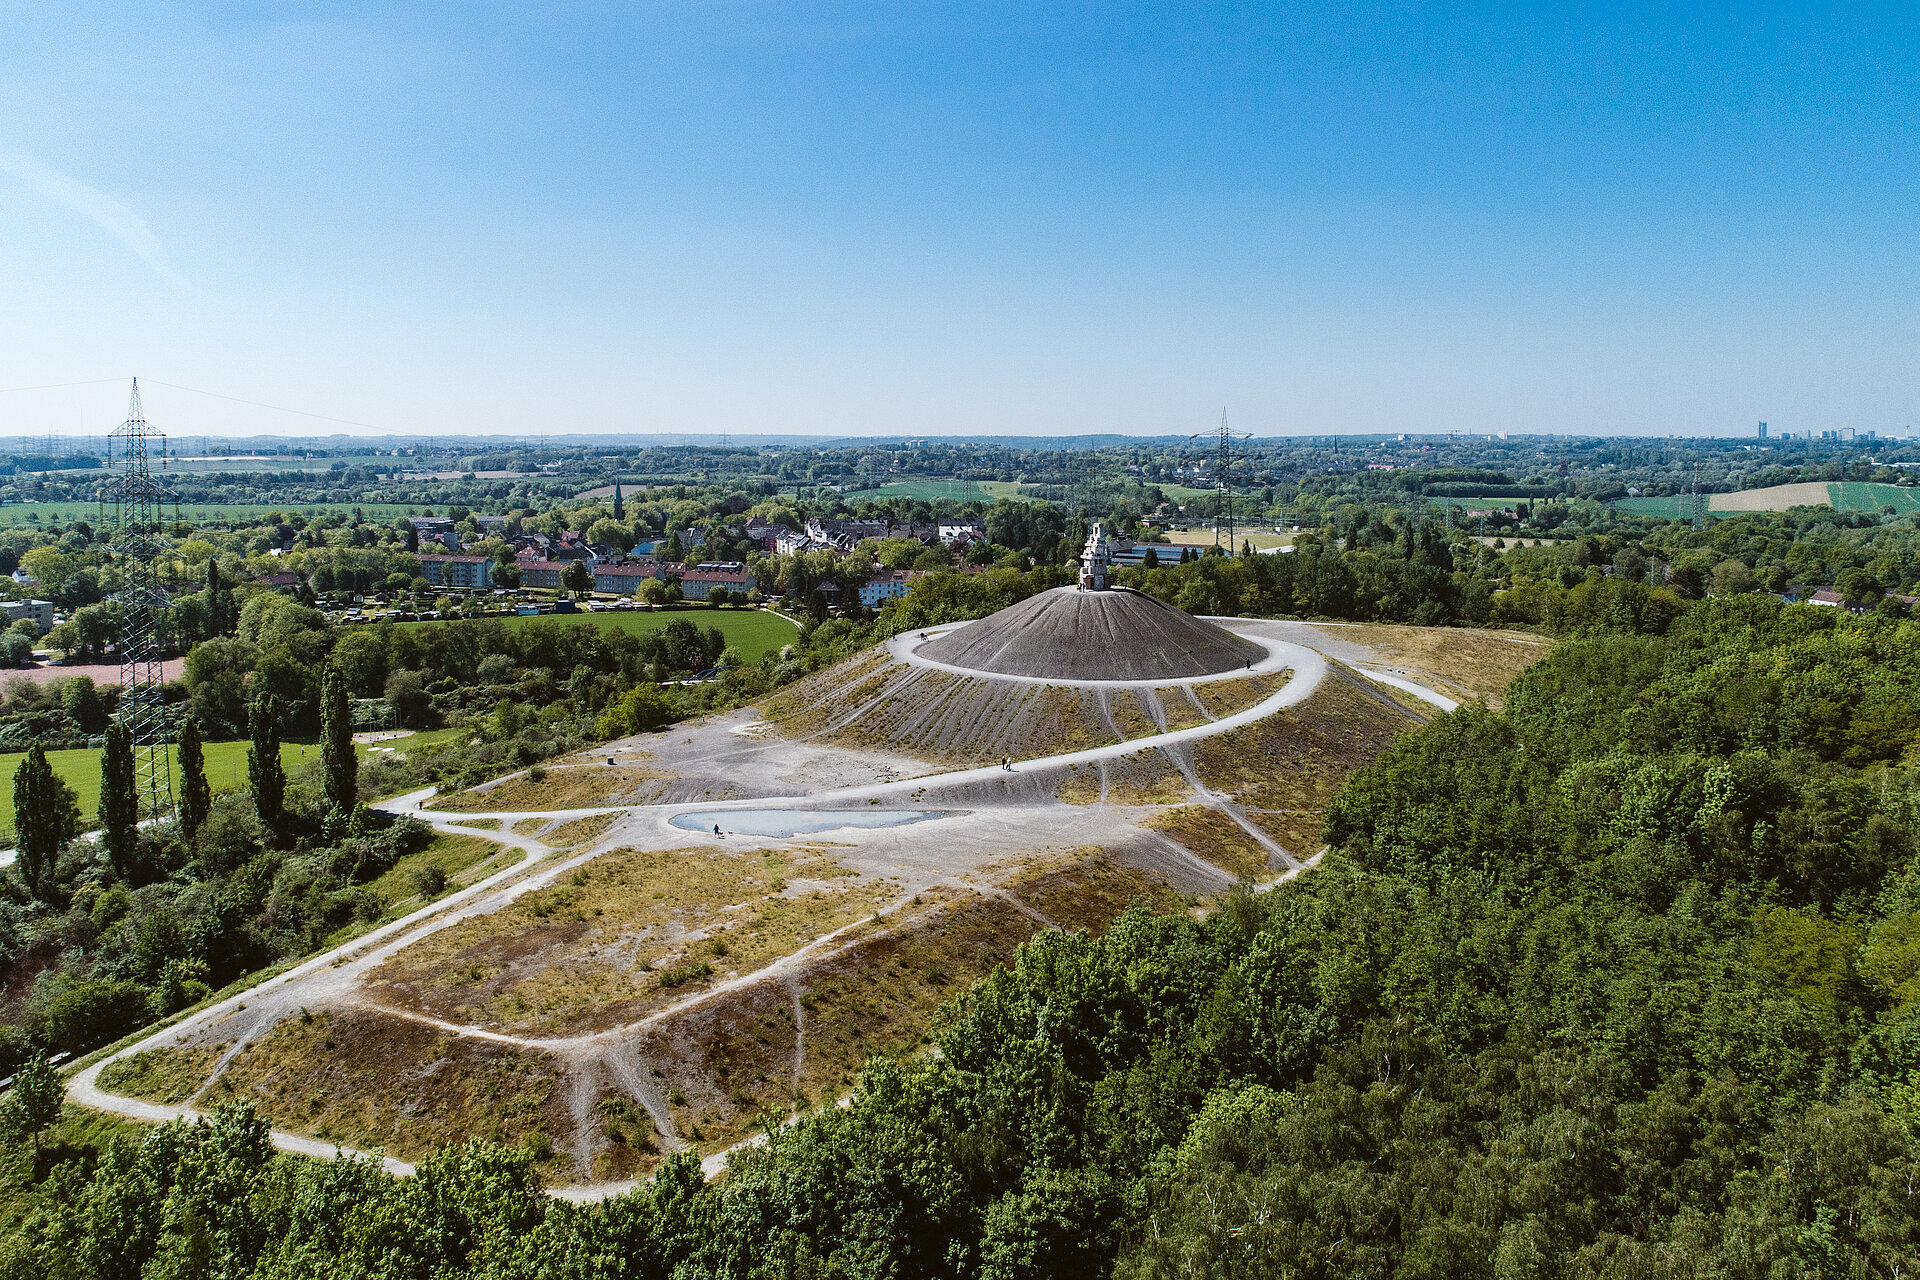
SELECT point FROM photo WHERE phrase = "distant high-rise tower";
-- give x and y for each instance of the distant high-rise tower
(1763, 431)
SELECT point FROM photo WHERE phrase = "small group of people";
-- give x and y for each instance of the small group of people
(1006, 763)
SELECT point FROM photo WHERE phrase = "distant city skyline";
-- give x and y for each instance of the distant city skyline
(856, 220)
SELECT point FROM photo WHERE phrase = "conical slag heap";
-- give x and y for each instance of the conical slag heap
(1074, 634)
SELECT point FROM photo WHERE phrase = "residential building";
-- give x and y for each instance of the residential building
(547, 575)
(698, 581)
(623, 579)
(436, 529)
(888, 584)
(473, 572)
(41, 611)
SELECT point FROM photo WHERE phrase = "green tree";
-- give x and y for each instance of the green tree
(266, 776)
(81, 700)
(221, 614)
(46, 815)
(34, 1101)
(120, 803)
(196, 796)
(578, 578)
(336, 744)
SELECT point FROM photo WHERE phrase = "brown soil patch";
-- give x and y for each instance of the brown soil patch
(1131, 714)
(372, 1081)
(1148, 777)
(1297, 757)
(623, 936)
(168, 1075)
(1214, 836)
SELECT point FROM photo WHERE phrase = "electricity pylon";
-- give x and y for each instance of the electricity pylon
(141, 606)
(1223, 523)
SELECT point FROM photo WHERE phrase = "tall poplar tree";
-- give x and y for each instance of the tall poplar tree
(220, 613)
(196, 795)
(265, 774)
(336, 744)
(45, 815)
(120, 802)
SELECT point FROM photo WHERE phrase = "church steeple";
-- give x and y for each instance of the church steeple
(619, 507)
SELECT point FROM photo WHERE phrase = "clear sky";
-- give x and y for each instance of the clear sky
(953, 219)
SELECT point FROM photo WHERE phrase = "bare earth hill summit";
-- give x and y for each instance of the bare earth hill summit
(1073, 634)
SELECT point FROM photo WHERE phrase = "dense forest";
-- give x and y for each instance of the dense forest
(1621, 980)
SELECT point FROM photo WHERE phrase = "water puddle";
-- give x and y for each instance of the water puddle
(801, 822)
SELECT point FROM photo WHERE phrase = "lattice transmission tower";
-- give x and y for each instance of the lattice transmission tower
(141, 605)
(1223, 523)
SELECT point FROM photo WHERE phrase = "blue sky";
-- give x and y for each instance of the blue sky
(955, 219)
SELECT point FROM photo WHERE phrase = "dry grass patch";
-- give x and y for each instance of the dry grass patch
(580, 831)
(627, 1145)
(807, 706)
(1131, 713)
(1299, 831)
(1225, 697)
(579, 788)
(1297, 757)
(1466, 662)
(482, 824)
(1214, 836)
(168, 1075)
(1082, 785)
(879, 997)
(625, 935)
(1181, 710)
(1090, 893)
(531, 827)
(1146, 778)
(368, 1080)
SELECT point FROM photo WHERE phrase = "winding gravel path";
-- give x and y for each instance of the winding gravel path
(333, 973)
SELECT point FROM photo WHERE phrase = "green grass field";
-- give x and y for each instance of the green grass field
(933, 489)
(80, 769)
(1672, 507)
(1854, 495)
(753, 632)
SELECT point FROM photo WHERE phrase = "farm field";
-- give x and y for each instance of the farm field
(934, 489)
(753, 632)
(1841, 495)
(28, 513)
(1854, 495)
